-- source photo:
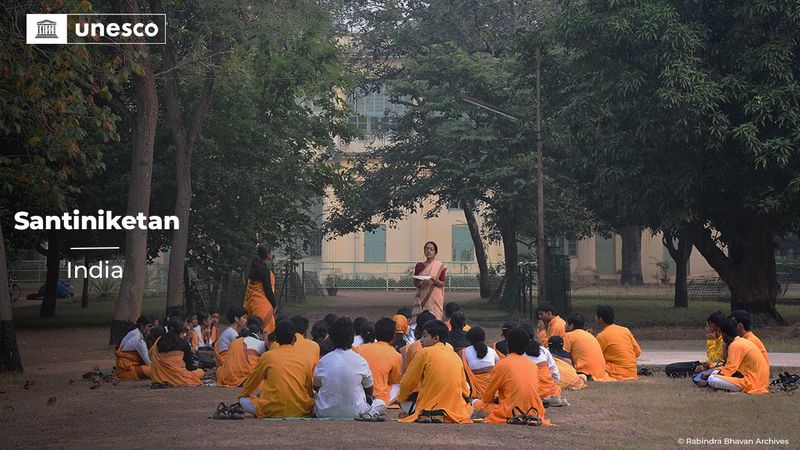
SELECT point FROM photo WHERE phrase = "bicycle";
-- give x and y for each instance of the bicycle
(13, 288)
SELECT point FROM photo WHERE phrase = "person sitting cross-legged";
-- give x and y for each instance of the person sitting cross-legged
(512, 384)
(343, 380)
(620, 348)
(569, 378)
(742, 319)
(744, 358)
(587, 356)
(133, 359)
(437, 375)
(282, 378)
(243, 355)
(550, 324)
(384, 361)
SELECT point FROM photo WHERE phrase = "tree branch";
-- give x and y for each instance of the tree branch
(175, 67)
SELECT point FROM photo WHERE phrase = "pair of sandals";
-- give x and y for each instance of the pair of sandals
(233, 412)
(525, 418)
(371, 417)
(431, 416)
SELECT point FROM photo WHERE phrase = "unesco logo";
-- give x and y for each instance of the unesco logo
(95, 29)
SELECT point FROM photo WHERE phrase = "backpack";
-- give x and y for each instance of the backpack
(681, 369)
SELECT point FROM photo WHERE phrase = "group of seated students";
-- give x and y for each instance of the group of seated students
(434, 370)
(737, 360)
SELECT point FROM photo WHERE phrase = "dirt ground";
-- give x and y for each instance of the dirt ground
(50, 406)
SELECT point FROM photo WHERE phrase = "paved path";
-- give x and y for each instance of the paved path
(662, 357)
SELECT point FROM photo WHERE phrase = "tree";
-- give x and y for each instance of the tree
(682, 126)
(51, 132)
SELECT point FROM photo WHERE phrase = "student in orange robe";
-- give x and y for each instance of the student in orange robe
(449, 309)
(401, 331)
(133, 359)
(547, 370)
(587, 356)
(512, 383)
(384, 361)
(437, 375)
(203, 334)
(568, 377)
(302, 344)
(260, 299)
(283, 378)
(167, 357)
(409, 351)
(502, 346)
(242, 357)
(620, 348)
(237, 320)
(479, 360)
(742, 319)
(743, 357)
(550, 324)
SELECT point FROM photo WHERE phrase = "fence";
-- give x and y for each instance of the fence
(388, 275)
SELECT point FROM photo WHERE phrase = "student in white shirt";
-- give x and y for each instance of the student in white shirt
(237, 318)
(132, 355)
(343, 381)
(479, 364)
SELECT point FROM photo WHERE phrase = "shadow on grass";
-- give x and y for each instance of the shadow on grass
(69, 314)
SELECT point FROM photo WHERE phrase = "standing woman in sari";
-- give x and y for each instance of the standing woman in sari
(259, 300)
(430, 292)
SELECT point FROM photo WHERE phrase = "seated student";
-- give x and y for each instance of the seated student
(409, 351)
(502, 346)
(546, 368)
(550, 324)
(167, 356)
(400, 331)
(201, 338)
(587, 356)
(357, 324)
(367, 332)
(620, 348)
(714, 345)
(478, 360)
(384, 361)
(437, 375)
(214, 314)
(742, 319)
(743, 357)
(409, 334)
(237, 320)
(319, 334)
(568, 377)
(449, 310)
(457, 337)
(242, 355)
(512, 382)
(344, 381)
(330, 319)
(305, 346)
(133, 360)
(282, 378)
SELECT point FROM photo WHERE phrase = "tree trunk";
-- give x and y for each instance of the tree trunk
(48, 308)
(631, 254)
(480, 252)
(131, 291)
(184, 141)
(10, 359)
(748, 269)
(508, 232)
(85, 291)
(680, 254)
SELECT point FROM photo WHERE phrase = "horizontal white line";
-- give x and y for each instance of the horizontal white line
(94, 248)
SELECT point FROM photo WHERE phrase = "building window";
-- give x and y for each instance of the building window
(315, 243)
(373, 114)
(375, 245)
(566, 247)
(463, 250)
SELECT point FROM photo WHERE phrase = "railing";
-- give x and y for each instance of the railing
(34, 273)
(393, 275)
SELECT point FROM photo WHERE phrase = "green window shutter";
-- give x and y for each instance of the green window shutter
(605, 256)
(375, 245)
(463, 250)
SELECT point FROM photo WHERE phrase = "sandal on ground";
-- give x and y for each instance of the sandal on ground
(371, 417)
(236, 411)
(438, 415)
(222, 412)
(525, 418)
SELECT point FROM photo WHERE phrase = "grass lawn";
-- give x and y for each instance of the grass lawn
(69, 313)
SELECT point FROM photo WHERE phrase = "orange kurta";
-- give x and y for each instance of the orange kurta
(411, 351)
(745, 357)
(439, 374)
(512, 382)
(714, 351)
(568, 377)
(169, 368)
(620, 351)
(239, 363)
(556, 327)
(755, 340)
(257, 304)
(130, 366)
(284, 378)
(385, 363)
(478, 381)
(587, 356)
(547, 385)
